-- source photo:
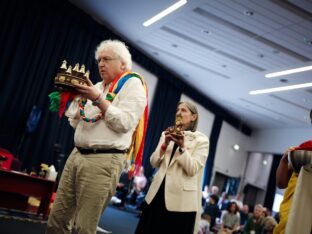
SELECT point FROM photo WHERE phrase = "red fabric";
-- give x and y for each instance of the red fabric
(305, 146)
(6, 164)
(65, 97)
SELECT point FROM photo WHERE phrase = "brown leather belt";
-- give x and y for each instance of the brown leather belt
(101, 151)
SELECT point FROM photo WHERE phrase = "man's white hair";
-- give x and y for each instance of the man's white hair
(119, 48)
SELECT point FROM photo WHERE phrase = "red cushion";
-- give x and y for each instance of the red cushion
(6, 164)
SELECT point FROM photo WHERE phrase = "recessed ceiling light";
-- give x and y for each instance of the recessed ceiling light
(260, 55)
(279, 89)
(307, 41)
(288, 72)
(249, 13)
(206, 31)
(284, 80)
(155, 53)
(265, 162)
(164, 13)
(174, 45)
(224, 66)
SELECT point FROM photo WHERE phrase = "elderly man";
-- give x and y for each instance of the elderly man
(106, 116)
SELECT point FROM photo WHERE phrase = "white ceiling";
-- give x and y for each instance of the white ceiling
(223, 52)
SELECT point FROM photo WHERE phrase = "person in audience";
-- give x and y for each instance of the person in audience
(287, 178)
(255, 222)
(93, 168)
(237, 200)
(137, 195)
(204, 224)
(205, 195)
(174, 197)
(223, 201)
(230, 220)
(212, 209)
(269, 222)
(215, 190)
(244, 215)
(122, 190)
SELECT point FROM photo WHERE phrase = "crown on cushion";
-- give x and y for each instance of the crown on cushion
(66, 78)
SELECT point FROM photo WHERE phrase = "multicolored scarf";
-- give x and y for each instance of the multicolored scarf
(135, 153)
(59, 101)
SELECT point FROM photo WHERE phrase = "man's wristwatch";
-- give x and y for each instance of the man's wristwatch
(181, 150)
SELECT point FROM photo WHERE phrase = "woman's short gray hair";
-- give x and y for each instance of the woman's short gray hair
(194, 111)
(119, 48)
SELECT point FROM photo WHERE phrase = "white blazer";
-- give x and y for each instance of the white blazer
(184, 174)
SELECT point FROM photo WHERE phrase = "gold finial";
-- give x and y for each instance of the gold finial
(64, 65)
(87, 74)
(82, 69)
(69, 70)
(76, 68)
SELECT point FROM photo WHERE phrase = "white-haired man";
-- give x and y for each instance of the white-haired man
(104, 125)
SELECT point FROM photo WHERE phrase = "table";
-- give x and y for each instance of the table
(23, 184)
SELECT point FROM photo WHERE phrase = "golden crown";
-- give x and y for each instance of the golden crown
(67, 77)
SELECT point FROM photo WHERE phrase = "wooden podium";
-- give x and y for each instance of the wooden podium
(21, 185)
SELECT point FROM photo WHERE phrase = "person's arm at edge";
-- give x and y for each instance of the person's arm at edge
(283, 172)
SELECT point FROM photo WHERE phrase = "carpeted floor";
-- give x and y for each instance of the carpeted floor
(114, 220)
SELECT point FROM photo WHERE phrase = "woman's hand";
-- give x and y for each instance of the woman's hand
(178, 139)
(88, 91)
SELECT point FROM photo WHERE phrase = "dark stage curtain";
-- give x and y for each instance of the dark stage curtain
(35, 37)
(214, 136)
(271, 188)
(162, 116)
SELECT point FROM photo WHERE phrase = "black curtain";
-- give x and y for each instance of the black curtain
(35, 37)
(271, 188)
(214, 136)
(162, 115)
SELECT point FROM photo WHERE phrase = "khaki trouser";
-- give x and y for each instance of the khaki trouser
(300, 214)
(87, 184)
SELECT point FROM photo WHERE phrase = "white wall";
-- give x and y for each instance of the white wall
(276, 141)
(151, 81)
(257, 172)
(206, 118)
(227, 160)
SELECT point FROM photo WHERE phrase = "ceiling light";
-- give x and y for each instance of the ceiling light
(206, 31)
(265, 162)
(236, 147)
(248, 13)
(279, 89)
(287, 72)
(164, 13)
(307, 41)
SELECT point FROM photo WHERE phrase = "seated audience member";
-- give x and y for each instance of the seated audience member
(204, 224)
(244, 215)
(255, 222)
(230, 220)
(212, 209)
(237, 200)
(205, 195)
(223, 201)
(215, 190)
(122, 190)
(136, 196)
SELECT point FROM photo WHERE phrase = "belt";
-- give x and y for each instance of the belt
(101, 151)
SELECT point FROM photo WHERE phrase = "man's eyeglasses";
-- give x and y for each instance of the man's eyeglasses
(105, 59)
